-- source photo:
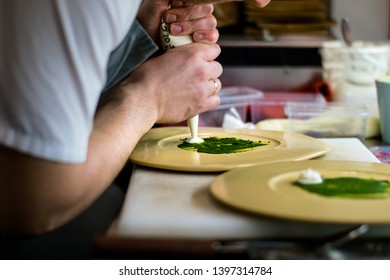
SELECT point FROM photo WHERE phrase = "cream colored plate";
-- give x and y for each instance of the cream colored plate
(267, 189)
(158, 148)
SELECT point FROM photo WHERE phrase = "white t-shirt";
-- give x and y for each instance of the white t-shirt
(53, 65)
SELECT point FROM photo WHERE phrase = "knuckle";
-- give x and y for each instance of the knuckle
(212, 22)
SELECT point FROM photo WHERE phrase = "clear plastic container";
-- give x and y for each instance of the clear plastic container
(232, 98)
(328, 120)
(239, 95)
(271, 106)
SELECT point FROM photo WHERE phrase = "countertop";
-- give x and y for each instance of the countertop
(170, 204)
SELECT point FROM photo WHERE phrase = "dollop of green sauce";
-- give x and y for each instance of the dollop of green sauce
(216, 145)
(349, 187)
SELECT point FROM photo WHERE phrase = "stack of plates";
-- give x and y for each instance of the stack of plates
(303, 17)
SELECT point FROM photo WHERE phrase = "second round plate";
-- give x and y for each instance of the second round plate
(267, 189)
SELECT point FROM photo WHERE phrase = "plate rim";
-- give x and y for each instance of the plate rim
(318, 217)
(285, 139)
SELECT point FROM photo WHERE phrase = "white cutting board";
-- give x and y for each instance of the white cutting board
(161, 203)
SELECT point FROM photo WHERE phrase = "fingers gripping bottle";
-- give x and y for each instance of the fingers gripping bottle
(169, 41)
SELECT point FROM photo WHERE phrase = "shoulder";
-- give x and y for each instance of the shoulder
(54, 60)
(111, 17)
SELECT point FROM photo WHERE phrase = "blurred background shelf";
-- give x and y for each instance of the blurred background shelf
(261, 49)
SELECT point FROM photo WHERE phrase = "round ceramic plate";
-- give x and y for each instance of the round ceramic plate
(159, 148)
(267, 189)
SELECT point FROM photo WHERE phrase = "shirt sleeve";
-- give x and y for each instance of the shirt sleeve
(53, 68)
(133, 50)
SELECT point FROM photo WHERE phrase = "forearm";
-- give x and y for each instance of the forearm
(165, 89)
(49, 194)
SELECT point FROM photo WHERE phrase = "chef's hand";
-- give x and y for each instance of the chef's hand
(182, 18)
(185, 18)
(260, 3)
(177, 85)
(195, 17)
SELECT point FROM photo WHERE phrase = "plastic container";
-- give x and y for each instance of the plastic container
(355, 66)
(329, 120)
(271, 106)
(361, 63)
(237, 95)
(215, 118)
(365, 61)
(232, 98)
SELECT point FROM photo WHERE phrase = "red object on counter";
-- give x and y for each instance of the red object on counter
(382, 153)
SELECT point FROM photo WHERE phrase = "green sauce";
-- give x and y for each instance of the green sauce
(349, 187)
(216, 145)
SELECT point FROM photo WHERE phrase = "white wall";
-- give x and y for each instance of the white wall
(369, 19)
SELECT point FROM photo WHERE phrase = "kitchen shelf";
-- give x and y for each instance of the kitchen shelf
(284, 51)
(287, 41)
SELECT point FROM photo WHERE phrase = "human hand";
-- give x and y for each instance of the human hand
(260, 3)
(182, 19)
(195, 17)
(177, 85)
